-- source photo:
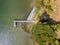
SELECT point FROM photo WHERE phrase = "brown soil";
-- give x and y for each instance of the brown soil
(56, 14)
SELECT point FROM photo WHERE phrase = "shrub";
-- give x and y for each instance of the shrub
(43, 33)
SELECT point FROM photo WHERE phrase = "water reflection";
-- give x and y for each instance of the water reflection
(10, 10)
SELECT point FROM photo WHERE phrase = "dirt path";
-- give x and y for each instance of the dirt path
(56, 8)
(56, 14)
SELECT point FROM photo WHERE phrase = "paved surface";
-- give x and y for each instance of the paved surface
(31, 14)
(21, 21)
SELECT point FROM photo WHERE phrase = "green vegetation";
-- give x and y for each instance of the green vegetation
(39, 4)
(24, 27)
(49, 9)
(47, 2)
(42, 33)
(27, 27)
(56, 26)
(45, 5)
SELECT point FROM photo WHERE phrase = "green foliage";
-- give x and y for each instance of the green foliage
(43, 4)
(39, 4)
(24, 27)
(48, 6)
(56, 26)
(42, 32)
(49, 9)
(47, 2)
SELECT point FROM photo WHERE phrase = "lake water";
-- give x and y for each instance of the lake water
(10, 10)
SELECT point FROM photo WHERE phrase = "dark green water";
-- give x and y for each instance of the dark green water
(10, 10)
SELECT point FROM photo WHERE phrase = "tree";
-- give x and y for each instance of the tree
(43, 5)
(43, 33)
(56, 26)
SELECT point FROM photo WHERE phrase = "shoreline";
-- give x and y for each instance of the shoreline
(31, 14)
(29, 18)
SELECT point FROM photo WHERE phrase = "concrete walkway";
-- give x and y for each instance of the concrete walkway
(31, 14)
(21, 21)
(29, 19)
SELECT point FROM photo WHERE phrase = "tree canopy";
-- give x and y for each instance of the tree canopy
(42, 32)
